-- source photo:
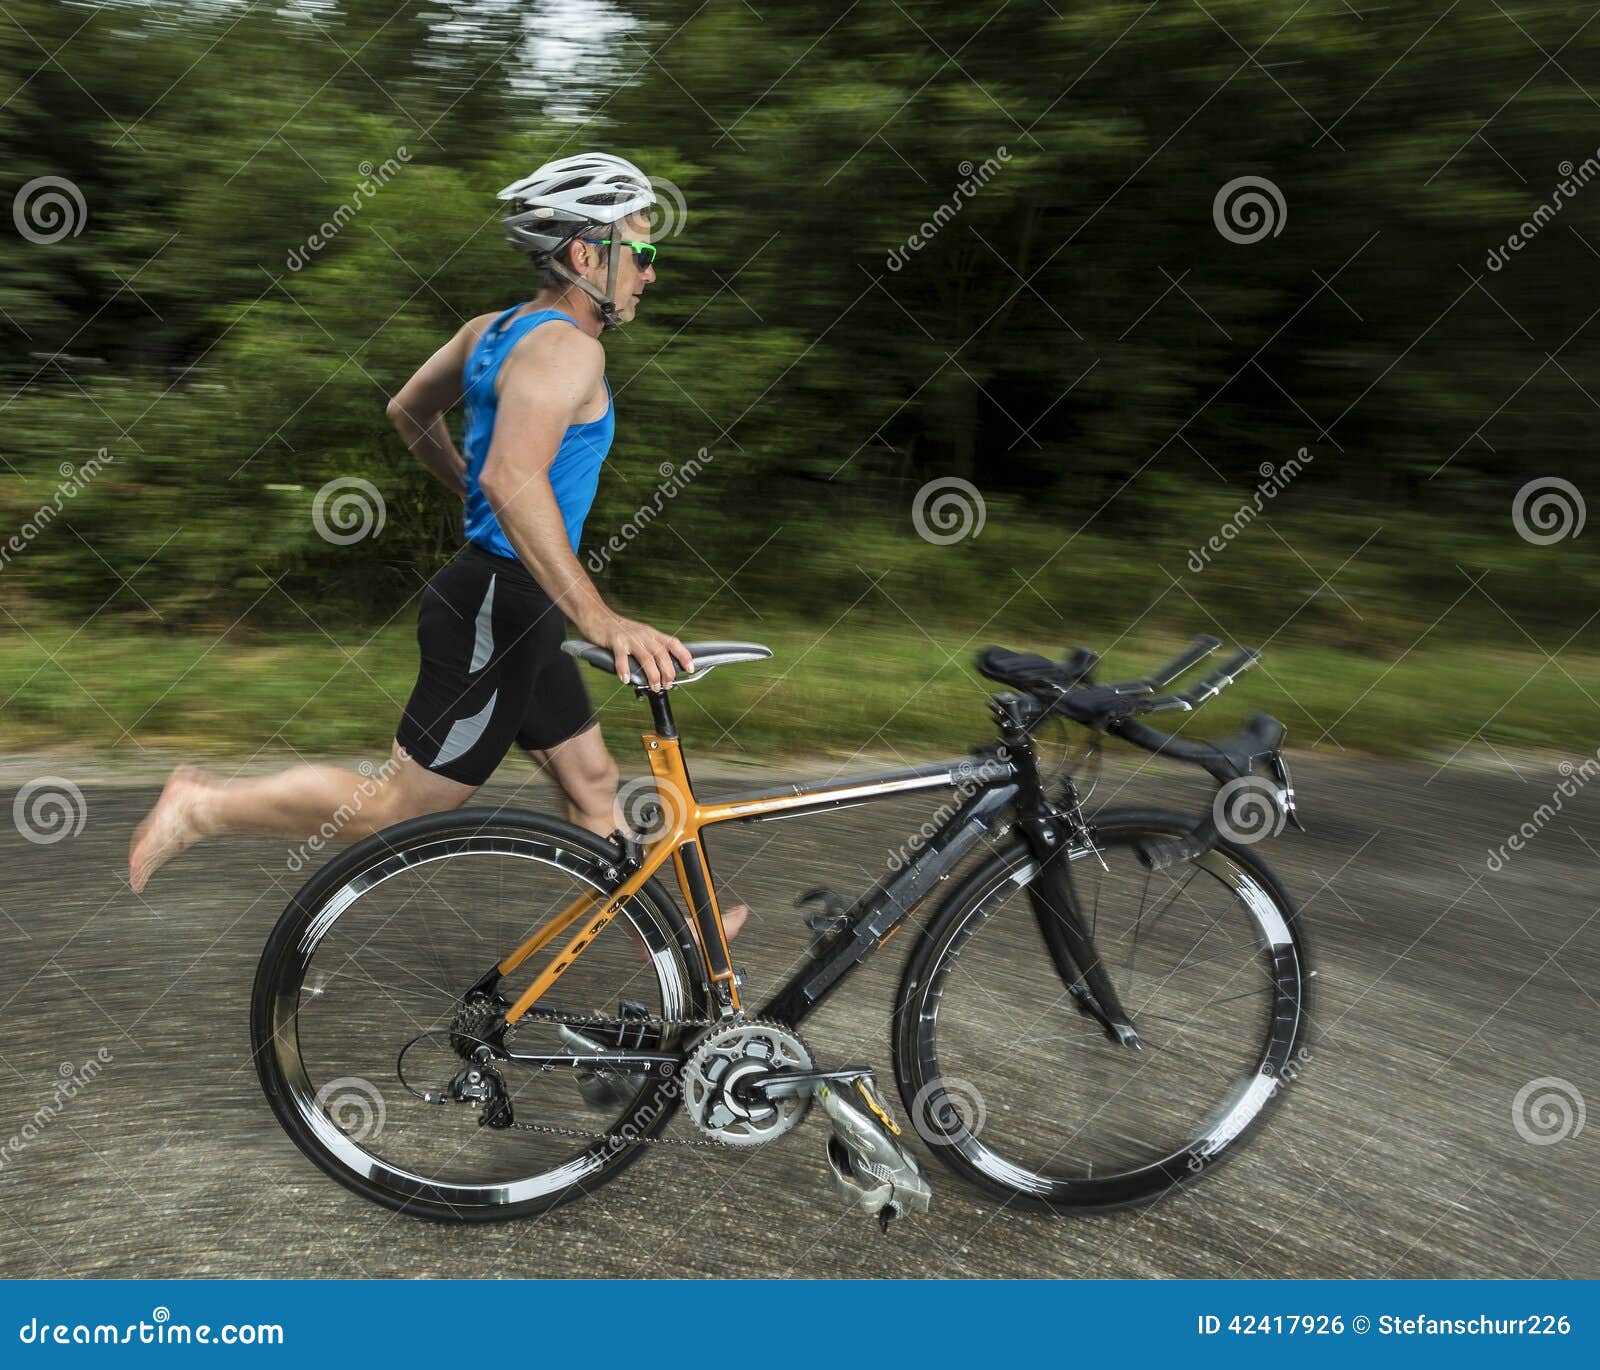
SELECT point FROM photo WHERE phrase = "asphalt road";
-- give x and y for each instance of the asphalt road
(1446, 991)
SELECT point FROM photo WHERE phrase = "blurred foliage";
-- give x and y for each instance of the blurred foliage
(848, 694)
(1077, 339)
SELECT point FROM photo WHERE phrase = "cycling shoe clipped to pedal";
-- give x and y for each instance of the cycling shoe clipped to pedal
(870, 1169)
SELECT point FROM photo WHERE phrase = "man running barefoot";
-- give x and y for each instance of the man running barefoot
(539, 422)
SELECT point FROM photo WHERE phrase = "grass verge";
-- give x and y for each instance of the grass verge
(882, 690)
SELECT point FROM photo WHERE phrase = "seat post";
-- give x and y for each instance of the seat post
(661, 712)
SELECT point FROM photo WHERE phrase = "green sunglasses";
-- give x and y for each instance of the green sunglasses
(644, 254)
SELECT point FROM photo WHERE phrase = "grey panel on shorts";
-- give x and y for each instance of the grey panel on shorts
(483, 637)
(465, 732)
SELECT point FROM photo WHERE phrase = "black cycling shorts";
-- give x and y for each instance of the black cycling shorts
(493, 672)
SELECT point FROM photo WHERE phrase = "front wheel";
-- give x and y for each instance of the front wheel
(387, 946)
(1023, 1094)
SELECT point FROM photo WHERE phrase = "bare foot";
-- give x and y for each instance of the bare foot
(170, 827)
(732, 920)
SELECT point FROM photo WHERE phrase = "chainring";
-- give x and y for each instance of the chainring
(738, 1055)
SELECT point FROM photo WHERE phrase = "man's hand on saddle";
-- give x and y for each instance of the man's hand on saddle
(659, 654)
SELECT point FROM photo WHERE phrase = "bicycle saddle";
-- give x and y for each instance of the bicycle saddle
(707, 657)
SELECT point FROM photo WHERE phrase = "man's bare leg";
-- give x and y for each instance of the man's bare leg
(296, 803)
(588, 776)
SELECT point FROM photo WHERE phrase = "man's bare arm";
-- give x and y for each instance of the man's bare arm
(418, 411)
(543, 387)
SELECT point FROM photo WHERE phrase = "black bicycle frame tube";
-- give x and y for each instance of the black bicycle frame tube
(877, 914)
(1003, 778)
(985, 779)
(697, 877)
(997, 780)
(801, 798)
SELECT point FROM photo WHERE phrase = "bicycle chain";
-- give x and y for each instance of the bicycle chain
(602, 1020)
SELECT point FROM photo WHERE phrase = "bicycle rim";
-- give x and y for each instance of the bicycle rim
(379, 950)
(1024, 1094)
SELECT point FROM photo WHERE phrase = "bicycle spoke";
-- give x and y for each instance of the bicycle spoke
(1064, 1102)
(383, 964)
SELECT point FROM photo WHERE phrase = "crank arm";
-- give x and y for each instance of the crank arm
(795, 1084)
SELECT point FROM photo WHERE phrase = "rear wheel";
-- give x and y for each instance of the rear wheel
(386, 943)
(1025, 1096)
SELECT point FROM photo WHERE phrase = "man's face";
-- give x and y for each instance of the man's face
(632, 280)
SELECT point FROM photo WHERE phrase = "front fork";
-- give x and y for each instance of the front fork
(1050, 832)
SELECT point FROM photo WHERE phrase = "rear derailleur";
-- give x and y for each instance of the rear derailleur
(482, 1088)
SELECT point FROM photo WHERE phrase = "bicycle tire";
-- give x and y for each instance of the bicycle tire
(316, 908)
(916, 1056)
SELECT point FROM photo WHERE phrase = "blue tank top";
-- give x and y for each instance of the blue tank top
(575, 472)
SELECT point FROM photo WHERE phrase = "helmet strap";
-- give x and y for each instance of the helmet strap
(610, 315)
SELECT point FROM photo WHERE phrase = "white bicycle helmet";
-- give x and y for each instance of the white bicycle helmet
(563, 198)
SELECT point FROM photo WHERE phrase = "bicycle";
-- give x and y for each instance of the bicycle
(1064, 1049)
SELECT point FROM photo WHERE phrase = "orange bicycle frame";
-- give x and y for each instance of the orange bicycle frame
(684, 817)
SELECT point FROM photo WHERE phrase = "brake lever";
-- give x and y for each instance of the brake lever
(1160, 704)
(1280, 771)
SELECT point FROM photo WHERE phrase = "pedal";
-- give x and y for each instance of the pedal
(832, 915)
(870, 1169)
